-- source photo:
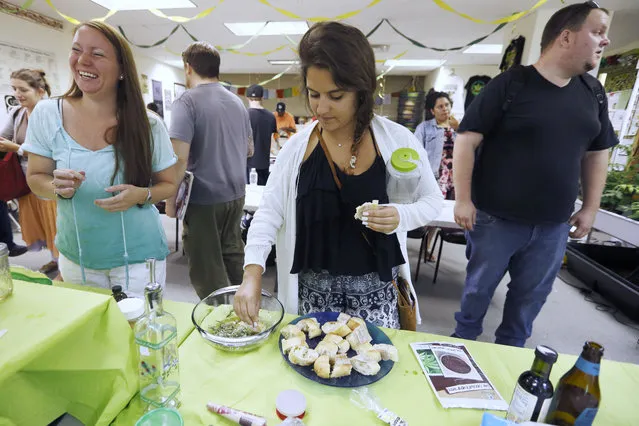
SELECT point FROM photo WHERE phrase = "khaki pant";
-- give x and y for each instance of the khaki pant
(213, 243)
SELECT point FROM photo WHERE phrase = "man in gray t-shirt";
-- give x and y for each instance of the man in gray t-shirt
(211, 135)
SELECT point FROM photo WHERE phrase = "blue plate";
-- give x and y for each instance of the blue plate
(355, 379)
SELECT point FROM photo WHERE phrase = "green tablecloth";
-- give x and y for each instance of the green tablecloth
(180, 310)
(252, 381)
(64, 351)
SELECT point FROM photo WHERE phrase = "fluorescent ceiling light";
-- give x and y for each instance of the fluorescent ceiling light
(283, 62)
(485, 49)
(416, 63)
(272, 28)
(143, 4)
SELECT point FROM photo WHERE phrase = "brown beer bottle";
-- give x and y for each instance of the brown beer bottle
(577, 396)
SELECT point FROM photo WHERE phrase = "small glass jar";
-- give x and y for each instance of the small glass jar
(6, 283)
(132, 309)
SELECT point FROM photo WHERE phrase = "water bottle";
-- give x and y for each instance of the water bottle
(156, 337)
(6, 283)
(404, 172)
(253, 177)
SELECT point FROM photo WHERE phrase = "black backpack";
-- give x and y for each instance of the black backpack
(520, 76)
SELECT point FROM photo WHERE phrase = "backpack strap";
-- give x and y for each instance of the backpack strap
(518, 81)
(595, 87)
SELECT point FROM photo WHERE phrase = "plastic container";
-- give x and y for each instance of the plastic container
(404, 172)
(161, 417)
(290, 403)
(132, 308)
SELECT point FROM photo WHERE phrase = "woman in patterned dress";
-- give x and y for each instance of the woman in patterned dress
(328, 260)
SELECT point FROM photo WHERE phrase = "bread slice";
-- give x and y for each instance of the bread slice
(334, 327)
(327, 348)
(342, 366)
(364, 366)
(322, 367)
(302, 355)
(288, 344)
(292, 330)
(388, 352)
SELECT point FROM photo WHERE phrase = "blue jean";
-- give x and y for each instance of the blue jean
(532, 254)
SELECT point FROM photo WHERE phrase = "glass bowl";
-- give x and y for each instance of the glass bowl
(218, 304)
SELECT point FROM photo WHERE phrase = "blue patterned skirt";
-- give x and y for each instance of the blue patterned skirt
(364, 296)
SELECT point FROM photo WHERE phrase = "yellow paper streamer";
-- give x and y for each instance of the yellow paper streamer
(507, 19)
(182, 19)
(75, 21)
(237, 52)
(346, 15)
(381, 61)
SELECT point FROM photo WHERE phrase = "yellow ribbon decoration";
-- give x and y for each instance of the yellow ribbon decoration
(237, 52)
(75, 21)
(346, 15)
(505, 20)
(182, 19)
(381, 61)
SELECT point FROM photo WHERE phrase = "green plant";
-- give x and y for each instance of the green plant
(621, 193)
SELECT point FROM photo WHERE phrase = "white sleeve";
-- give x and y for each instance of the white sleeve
(430, 200)
(269, 217)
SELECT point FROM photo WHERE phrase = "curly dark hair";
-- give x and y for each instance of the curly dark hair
(345, 52)
(431, 101)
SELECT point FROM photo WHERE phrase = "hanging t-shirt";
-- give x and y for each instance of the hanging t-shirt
(512, 55)
(454, 86)
(474, 86)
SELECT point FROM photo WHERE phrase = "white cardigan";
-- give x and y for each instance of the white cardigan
(274, 221)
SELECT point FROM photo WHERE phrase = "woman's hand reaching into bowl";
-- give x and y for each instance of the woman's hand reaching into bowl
(246, 302)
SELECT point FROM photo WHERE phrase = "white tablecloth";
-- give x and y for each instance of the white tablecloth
(444, 220)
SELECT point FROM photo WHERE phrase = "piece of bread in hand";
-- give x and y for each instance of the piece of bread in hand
(359, 211)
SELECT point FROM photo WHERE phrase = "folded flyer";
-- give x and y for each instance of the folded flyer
(455, 377)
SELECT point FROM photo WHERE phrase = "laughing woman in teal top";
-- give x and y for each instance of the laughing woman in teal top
(107, 162)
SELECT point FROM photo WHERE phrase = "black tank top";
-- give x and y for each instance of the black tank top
(328, 237)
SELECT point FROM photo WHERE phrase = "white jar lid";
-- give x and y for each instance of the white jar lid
(132, 308)
(290, 403)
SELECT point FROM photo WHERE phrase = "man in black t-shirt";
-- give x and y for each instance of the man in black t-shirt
(264, 126)
(518, 160)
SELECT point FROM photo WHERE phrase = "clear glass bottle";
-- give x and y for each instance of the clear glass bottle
(156, 337)
(6, 283)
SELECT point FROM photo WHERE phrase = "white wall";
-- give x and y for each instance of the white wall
(159, 71)
(24, 33)
(623, 49)
(438, 78)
